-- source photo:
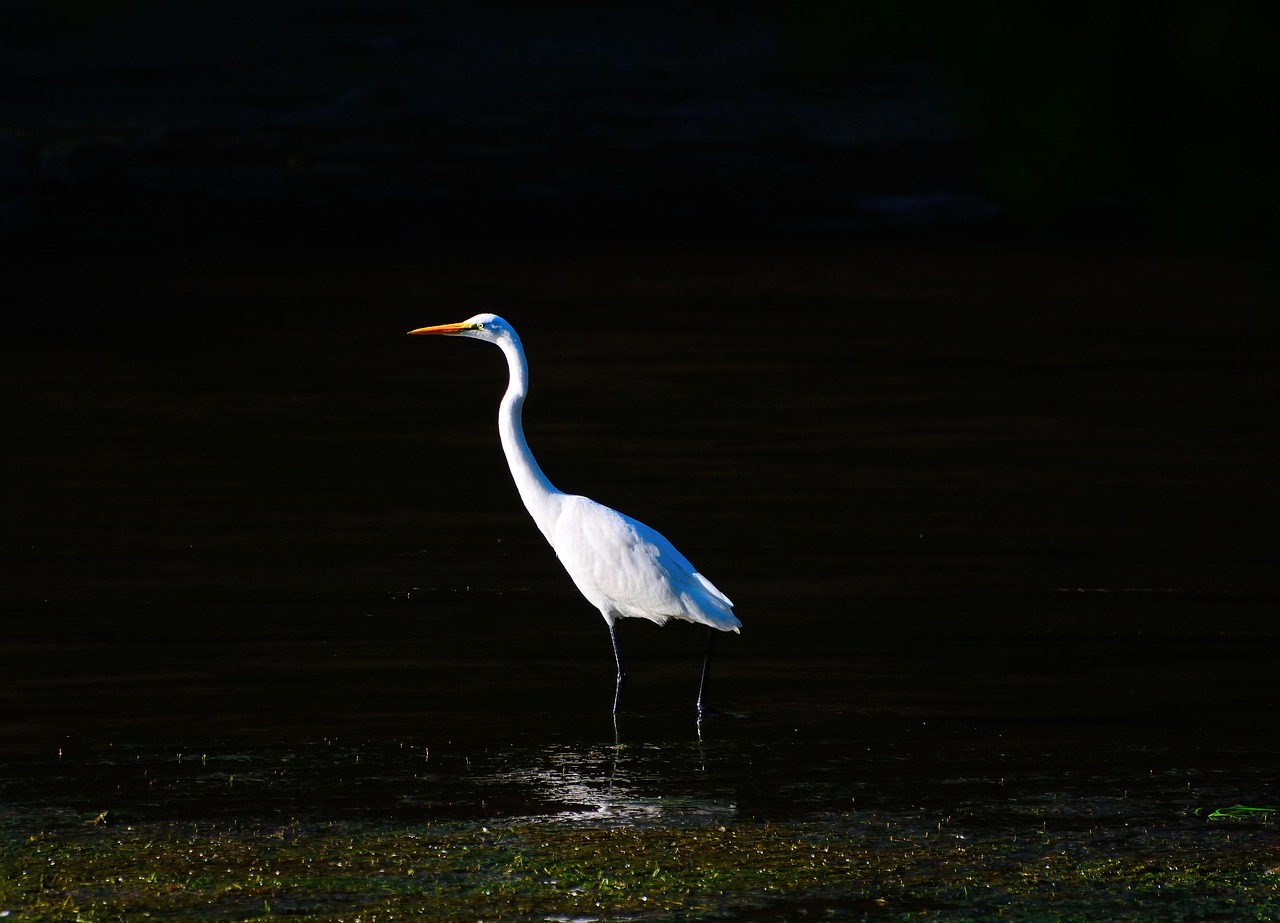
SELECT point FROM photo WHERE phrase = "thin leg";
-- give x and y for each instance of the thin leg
(622, 674)
(706, 670)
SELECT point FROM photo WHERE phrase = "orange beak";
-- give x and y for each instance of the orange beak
(440, 328)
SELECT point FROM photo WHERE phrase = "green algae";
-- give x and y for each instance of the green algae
(1243, 812)
(854, 866)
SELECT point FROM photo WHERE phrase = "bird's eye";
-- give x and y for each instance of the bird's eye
(480, 325)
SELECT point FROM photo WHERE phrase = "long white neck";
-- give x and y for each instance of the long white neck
(540, 497)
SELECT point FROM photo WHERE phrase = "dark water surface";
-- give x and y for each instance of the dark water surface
(999, 525)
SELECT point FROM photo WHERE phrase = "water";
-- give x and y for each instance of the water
(997, 524)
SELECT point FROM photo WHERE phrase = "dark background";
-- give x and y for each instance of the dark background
(941, 336)
(362, 126)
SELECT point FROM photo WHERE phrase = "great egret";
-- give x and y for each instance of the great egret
(624, 568)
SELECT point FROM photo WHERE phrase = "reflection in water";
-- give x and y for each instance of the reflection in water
(600, 786)
(621, 782)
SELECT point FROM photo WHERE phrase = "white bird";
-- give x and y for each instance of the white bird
(624, 568)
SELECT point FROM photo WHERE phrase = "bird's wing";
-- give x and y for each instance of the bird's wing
(621, 563)
(712, 589)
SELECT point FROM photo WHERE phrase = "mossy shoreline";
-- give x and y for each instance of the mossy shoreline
(854, 866)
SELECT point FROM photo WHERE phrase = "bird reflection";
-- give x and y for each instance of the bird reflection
(620, 782)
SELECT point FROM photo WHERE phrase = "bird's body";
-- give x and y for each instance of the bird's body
(628, 570)
(623, 567)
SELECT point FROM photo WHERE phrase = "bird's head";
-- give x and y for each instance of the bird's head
(488, 327)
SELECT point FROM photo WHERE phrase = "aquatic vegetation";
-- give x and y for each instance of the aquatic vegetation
(850, 866)
(332, 830)
(1244, 812)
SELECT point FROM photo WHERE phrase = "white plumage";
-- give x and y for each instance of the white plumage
(623, 567)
